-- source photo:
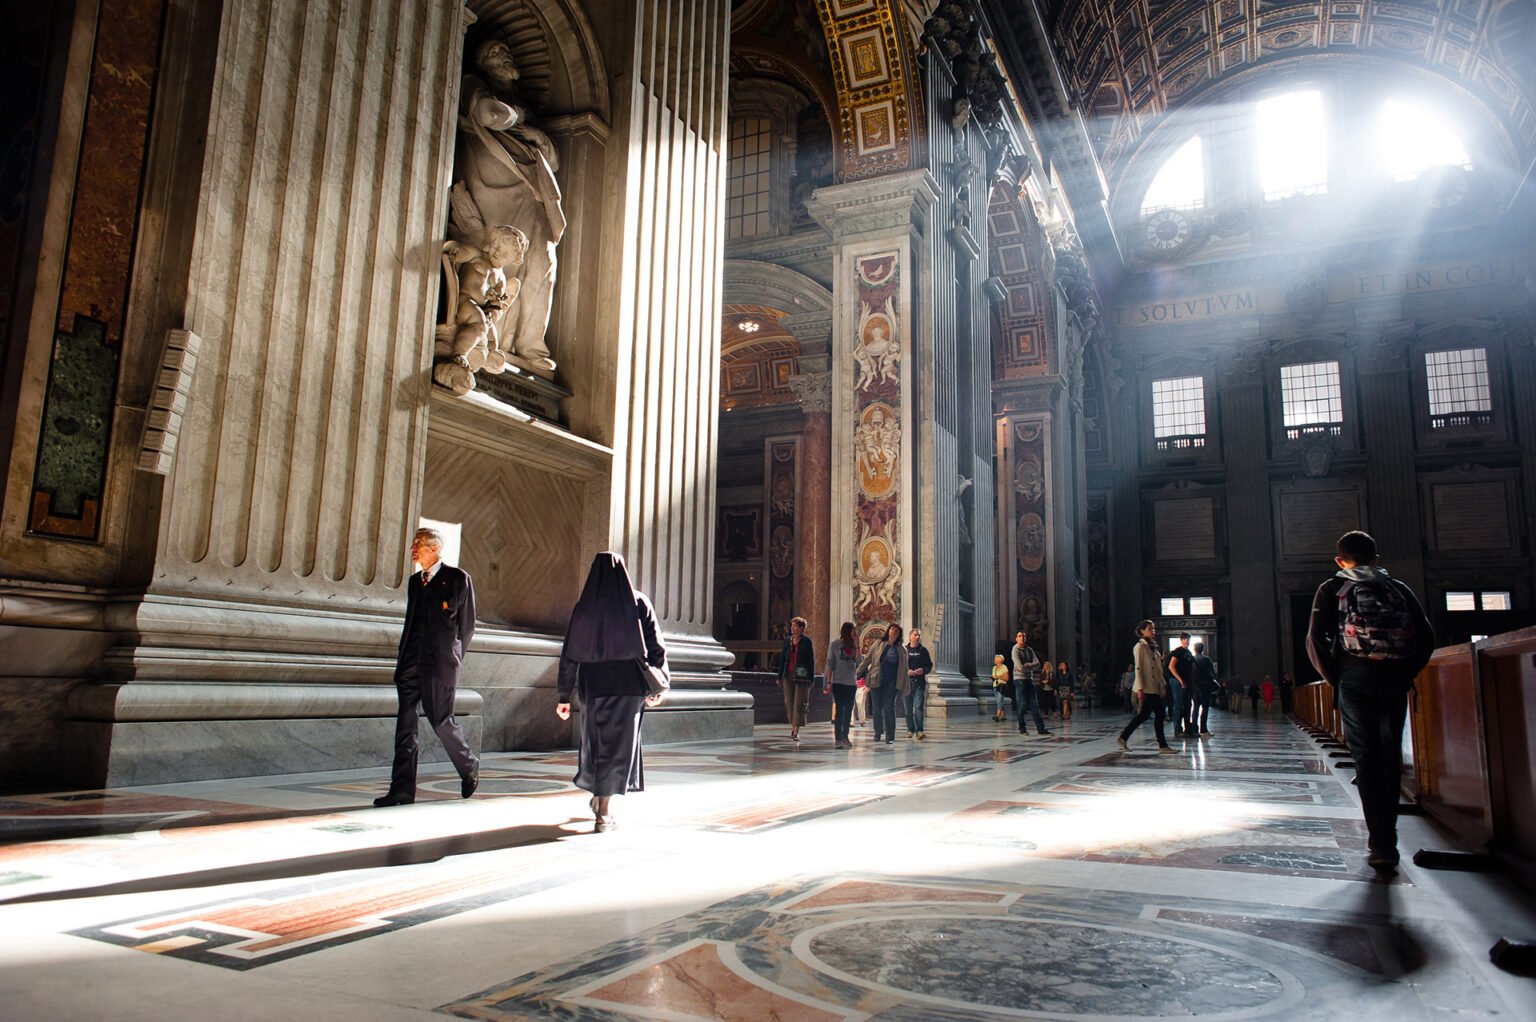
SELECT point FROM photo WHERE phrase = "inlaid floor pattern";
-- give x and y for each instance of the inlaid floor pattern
(979, 874)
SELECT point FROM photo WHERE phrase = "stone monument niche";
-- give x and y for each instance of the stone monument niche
(567, 407)
(524, 211)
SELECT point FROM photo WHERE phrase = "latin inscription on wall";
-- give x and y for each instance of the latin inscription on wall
(1311, 521)
(1185, 529)
(1471, 516)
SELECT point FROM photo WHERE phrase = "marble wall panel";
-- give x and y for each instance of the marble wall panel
(69, 484)
(522, 539)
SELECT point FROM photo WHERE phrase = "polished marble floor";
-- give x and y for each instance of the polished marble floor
(977, 875)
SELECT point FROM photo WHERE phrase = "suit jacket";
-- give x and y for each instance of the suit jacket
(869, 667)
(445, 610)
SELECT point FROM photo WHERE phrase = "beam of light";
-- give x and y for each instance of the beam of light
(1292, 143)
(1411, 139)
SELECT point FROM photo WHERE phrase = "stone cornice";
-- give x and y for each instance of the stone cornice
(880, 205)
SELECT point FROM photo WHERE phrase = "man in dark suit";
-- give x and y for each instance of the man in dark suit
(439, 622)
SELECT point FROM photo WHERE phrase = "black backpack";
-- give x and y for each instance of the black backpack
(1376, 621)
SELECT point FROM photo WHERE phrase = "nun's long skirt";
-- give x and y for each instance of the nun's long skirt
(609, 761)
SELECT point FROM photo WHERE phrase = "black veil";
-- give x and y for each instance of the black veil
(605, 623)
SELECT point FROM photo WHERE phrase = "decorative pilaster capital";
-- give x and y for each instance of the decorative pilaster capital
(878, 206)
(1385, 349)
(1244, 367)
(813, 391)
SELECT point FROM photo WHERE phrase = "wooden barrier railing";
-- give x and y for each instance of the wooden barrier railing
(1470, 748)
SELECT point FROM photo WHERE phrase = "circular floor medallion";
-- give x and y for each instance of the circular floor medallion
(1032, 968)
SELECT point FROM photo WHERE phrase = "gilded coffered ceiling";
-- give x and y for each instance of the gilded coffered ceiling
(1127, 62)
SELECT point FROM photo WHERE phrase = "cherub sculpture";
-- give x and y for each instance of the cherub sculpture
(480, 294)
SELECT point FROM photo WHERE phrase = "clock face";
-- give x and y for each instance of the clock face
(1168, 230)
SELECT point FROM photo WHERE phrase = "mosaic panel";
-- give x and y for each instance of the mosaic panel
(878, 356)
(782, 457)
(70, 474)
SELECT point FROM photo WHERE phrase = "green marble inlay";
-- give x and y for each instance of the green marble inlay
(12, 877)
(77, 417)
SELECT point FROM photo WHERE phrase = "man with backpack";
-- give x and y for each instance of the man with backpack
(1369, 638)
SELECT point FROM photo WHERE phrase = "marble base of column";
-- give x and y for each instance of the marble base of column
(950, 698)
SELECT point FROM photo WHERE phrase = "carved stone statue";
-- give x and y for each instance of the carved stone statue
(508, 172)
(481, 297)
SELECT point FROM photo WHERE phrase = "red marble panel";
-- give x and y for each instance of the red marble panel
(869, 892)
(696, 982)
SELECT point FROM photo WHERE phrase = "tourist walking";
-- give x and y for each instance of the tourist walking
(1000, 682)
(919, 663)
(1254, 694)
(1368, 637)
(1287, 689)
(797, 667)
(612, 631)
(841, 675)
(439, 624)
(1026, 670)
(1066, 690)
(1267, 691)
(1150, 687)
(884, 670)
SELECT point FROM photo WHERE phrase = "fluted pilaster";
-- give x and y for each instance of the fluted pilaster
(313, 290)
(666, 316)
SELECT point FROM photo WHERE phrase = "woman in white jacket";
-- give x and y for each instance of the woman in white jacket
(1149, 688)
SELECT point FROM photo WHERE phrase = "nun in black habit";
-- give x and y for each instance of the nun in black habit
(612, 629)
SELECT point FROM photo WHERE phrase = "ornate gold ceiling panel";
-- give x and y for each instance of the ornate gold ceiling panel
(879, 112)
(1129, 61)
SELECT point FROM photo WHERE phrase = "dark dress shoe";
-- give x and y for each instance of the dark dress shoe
(467, 785)
(393, 799)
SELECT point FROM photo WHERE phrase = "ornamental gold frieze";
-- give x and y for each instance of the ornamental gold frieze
(877, 96)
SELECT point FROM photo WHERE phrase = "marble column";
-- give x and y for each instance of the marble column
(664, 210)
(814, 518)
(286, 515)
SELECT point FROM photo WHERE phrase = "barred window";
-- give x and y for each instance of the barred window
(1172, 606)
(1178, 413)
(1312, 399)
(1202, 606)
(747, 178)
(1458, 387)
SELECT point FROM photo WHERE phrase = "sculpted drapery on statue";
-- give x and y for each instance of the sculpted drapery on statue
(504, 172)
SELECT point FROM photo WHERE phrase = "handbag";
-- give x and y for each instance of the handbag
(657, 679)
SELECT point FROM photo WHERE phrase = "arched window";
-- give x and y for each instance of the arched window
(1181, 181)
(1292, 143)
(1411, 139)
